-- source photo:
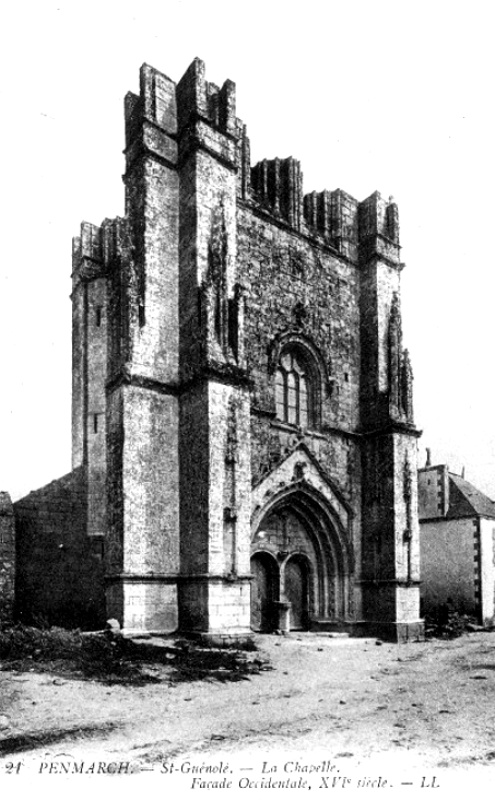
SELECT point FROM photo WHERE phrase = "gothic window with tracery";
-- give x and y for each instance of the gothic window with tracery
(293, 391)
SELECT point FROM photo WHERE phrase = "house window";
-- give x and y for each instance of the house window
(293, 391)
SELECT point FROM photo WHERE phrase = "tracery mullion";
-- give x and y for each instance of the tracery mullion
(303, 402)
(295, 393)
(293, 386)
(286, 395)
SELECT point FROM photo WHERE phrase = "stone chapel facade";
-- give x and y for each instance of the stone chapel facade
(242, 403)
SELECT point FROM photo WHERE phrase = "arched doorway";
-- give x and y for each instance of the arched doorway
(296, 592)
(300, 533)
(264, 592)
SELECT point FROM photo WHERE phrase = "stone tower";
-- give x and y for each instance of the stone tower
(242, 403)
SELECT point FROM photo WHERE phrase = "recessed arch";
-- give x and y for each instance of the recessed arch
(297, 395)
(301, 379)
(310, 502)
(299, 524)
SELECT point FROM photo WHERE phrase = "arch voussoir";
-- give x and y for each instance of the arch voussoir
(303, 519)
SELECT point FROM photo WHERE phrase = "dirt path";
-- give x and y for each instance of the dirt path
(420, 706)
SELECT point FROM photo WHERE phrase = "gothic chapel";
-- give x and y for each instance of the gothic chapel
(243, 433)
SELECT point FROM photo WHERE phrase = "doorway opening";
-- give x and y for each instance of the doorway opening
(264, 592)
(296, 592)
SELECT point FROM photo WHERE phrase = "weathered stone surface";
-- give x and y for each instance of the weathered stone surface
(59, 567)
(238, 371)
(7, 558)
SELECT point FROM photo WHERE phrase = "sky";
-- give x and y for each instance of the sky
(388, 96)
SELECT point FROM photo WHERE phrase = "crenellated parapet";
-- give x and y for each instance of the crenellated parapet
(379, 229)
(277, 184)
(199, 99)
(151, 118)
(96, 249)
(168, 121)
(334, 217)
(358, 231)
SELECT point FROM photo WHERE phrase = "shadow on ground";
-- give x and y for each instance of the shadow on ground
(115, 660)
(26, 742)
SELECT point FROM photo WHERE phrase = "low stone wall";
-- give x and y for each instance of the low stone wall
(7, 558)
(59, 577)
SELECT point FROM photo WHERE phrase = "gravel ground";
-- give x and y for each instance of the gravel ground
(348, 707)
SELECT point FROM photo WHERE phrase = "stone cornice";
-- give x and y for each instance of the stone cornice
(233, 377)
(392, 427)
(125, 378)
(147, 578)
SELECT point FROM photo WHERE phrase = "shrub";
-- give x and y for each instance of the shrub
(104, 657)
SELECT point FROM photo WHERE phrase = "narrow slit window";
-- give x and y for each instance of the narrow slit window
(98, 316)
(95, 423)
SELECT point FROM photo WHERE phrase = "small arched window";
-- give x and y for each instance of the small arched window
(293, 391)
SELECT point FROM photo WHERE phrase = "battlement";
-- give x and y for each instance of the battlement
(335, 216)
(332, 215)
(378, 217)
(170, 120)
(89, 242)
(97, 247)
(155, 103)
(172, 107)
(278, 184)
(197, 97)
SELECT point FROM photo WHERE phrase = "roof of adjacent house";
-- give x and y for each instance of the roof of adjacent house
(465, 500)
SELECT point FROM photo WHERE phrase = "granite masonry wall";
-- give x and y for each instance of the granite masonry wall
(7, 559)
(59, 572)
(181, 313)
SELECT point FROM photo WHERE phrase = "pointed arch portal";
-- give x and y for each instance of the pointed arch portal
(299, 540)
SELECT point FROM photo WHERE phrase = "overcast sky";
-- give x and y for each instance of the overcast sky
(394, 96)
